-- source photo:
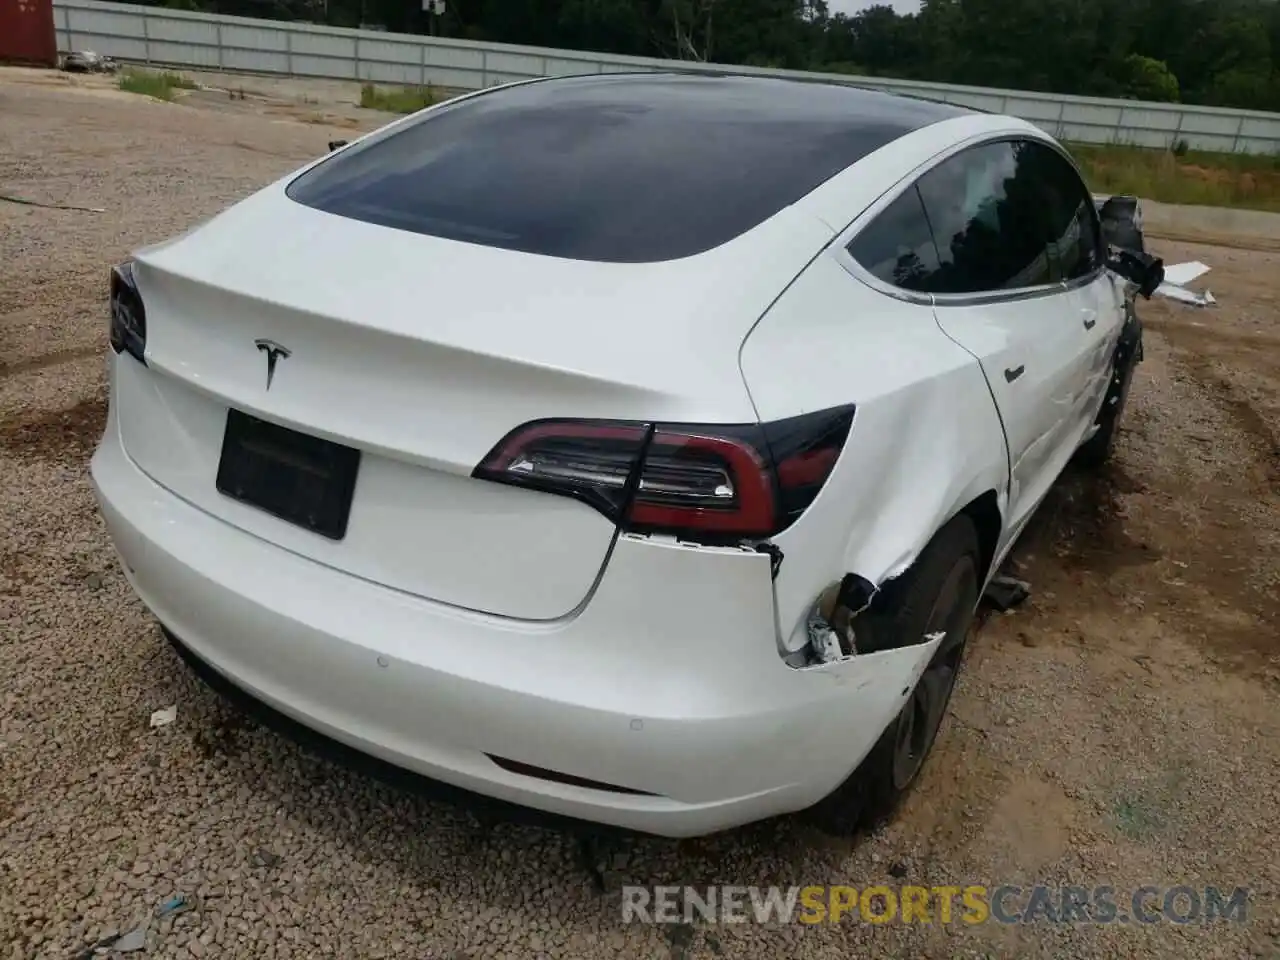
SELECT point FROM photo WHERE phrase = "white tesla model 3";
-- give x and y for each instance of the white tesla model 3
(634, 448)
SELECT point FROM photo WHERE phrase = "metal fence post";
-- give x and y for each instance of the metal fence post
(288, 50)
(484, 69)
(1235, 143)
(422, 62)
(356, 57)
(146, 36)
(217, 36)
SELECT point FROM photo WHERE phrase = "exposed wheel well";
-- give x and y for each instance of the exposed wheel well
(865, 605)
(984, 512)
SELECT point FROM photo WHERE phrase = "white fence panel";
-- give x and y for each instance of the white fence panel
(200, 41)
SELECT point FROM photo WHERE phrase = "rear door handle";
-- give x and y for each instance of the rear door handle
(1013, 373)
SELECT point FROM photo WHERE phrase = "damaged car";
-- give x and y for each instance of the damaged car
(87, 61)
(634, 448)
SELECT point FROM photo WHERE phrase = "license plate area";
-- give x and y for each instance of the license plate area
(301, 479)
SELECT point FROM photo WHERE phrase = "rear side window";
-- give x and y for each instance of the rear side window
(609, 169)
(1071, 229)
(987, 214)
(897, 246)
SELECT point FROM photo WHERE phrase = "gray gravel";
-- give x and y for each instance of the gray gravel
(1120, 729)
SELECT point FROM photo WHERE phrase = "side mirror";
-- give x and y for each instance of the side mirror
(335, 144)
(1121, 219)
(1121, 207)
(1142, 269)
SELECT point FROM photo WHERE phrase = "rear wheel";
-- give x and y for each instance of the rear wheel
(938, 595)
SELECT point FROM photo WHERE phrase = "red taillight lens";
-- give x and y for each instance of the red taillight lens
(695, 480)
(595, 461)
(705, 482)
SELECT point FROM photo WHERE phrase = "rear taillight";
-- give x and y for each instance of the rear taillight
(128, 317)
(592, 460)
(805, 450)
(718, 483)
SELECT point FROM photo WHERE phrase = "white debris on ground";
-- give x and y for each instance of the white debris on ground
(1181, 274)
(162, 718)
(1176, 278)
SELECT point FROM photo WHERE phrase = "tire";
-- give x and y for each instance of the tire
(1098, 449)
(940, 592)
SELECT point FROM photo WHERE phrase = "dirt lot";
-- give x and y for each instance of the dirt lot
(1122, 728)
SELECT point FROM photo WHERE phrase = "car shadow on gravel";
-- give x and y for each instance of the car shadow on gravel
(1081, 524)
(61, 435)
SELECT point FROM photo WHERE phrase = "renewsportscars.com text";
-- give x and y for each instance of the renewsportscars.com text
(972, 904)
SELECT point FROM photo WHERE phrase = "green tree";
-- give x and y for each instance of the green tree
(1249, 87)
(1148, 79)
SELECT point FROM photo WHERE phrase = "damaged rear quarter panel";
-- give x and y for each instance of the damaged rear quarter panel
(926, 437)
(858, 696)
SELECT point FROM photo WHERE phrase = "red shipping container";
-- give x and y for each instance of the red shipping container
(26, 32)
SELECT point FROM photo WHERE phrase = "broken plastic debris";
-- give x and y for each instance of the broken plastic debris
(822, 639)
(1180, 274)
(178, 903)
(131, 941)
(1176, 278)
(1183, 295)
(162, 718)
(1005, 592)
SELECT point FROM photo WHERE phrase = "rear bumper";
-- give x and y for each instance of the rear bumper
(367, 764)
(667, 684)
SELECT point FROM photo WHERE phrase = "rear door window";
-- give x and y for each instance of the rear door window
(897, 246)
(988, 220)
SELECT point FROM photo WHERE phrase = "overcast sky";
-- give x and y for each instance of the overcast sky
(853, 6)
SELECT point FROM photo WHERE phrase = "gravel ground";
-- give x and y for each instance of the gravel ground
(1121, 728)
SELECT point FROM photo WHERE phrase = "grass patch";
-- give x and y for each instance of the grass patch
(1210, 179)
(1148, 809)
(1135, 819)
(152, 84)
(401, 100)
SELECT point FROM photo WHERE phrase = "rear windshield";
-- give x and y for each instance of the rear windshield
(620, 169)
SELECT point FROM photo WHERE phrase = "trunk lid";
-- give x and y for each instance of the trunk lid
(422, 354)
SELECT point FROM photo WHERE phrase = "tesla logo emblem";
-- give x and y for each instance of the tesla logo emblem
(274, 352)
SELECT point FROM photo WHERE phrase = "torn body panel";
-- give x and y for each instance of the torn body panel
(926, 437)
(860, 696)
(831, 626)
